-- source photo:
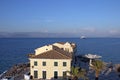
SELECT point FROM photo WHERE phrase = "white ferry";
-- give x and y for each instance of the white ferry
(82, 37)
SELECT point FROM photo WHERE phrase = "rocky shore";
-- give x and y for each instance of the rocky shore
(111, 73)
(17, 71)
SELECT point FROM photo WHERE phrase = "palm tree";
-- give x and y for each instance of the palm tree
(77, 72)
(97, 66)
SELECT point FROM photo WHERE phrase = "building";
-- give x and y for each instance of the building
(69, 47)
(51, 61)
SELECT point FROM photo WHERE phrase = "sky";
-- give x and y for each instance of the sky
(92, 18)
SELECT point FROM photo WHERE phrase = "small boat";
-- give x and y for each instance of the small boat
(82, 37)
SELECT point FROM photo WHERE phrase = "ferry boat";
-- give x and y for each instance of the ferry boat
(82, 37)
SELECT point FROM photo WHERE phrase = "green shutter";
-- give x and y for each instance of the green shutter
(55, 74)
(64, 64)
(35, 74)
(64, 74)
(44, 63)
(35, 63)
(55, 63)
(44, 74)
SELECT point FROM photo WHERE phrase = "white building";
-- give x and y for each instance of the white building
(51, 61)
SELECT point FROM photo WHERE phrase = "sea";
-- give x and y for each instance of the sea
(15, 50)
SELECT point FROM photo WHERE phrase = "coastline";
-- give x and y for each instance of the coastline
(83, 47)
(18, 71)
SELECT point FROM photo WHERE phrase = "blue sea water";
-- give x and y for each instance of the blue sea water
(15, 50)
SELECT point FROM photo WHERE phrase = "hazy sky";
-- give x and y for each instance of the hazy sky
(84, 17)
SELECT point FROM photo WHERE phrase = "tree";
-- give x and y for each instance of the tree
(77, 72)
(97, 66)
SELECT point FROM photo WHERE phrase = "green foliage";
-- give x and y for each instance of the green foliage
(74, 71)
(98, 66)
(77, 72)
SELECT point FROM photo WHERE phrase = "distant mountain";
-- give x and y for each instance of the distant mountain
(49, 35)
(34, 35)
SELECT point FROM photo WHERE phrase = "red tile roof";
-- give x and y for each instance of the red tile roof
(56, 53)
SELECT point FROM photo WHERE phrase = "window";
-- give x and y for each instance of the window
(55, 63)
(55, 74)
(64, 74)
(44, 74)
(35, 63)
(44, 63)
(35, 74)
(64, 64)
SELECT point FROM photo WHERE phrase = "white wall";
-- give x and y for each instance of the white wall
(43, 49)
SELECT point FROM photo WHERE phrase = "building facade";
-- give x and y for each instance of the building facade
(51, 61)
